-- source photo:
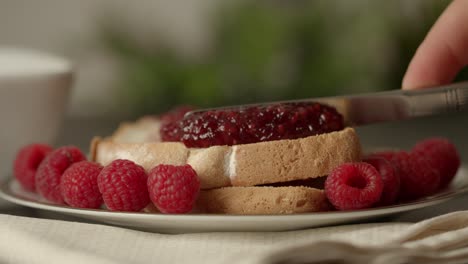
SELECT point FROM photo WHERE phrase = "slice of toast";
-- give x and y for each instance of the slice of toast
(262, 200)
(242, 165)
(145, 129)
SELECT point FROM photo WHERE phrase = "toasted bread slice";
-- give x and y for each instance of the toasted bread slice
(262, 200)
(145, 129)
(242, 165)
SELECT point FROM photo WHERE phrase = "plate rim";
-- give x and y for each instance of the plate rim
(9, 195)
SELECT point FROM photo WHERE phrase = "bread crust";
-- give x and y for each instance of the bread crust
(262, 200)
(242, 165)
(145, 129)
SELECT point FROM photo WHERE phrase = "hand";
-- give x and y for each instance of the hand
(444, 51)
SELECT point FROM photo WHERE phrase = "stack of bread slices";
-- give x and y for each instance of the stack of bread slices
(274, 177)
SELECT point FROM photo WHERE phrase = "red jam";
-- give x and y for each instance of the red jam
(256, 124)
(170, 123)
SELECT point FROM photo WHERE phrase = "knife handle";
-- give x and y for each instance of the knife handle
(446, 99)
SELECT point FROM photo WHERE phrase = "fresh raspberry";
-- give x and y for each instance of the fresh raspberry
(78, 185)
(51, 169)
(173, 189)
(389, 155)
(417, 176)
(390, 178)
(258, 124)
(170, 123)
(443, 157)
(354, 186)
(122, 184)
(26, 163)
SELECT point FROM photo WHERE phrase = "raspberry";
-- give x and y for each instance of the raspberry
(389, 156)
(26, 163)
(122, 184)
(443, 157)
(78, 185)
(51, 169)
(173, 189)
(354, 186)
(417, 176)
(257, 124)
(390, 179)
(170, 123)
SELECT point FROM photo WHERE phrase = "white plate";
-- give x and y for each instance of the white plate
(166, 223)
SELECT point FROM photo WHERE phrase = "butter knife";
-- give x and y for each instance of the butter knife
(362, 109)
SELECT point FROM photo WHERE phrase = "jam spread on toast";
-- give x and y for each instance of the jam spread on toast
(253, 124)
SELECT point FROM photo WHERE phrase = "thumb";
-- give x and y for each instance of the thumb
(444, 51)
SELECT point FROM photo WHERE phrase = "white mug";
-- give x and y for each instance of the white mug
(34, 91)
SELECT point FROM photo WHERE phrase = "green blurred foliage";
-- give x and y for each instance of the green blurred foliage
(277, 51)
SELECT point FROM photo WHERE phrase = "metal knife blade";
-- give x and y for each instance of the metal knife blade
(362, 109)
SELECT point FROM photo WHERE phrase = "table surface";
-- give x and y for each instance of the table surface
(398, 135)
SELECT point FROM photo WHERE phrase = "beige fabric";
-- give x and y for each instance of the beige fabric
(438, 240)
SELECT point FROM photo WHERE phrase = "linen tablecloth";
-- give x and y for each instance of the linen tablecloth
(438, 240)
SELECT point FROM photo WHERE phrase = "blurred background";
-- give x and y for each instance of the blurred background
(143, 57)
